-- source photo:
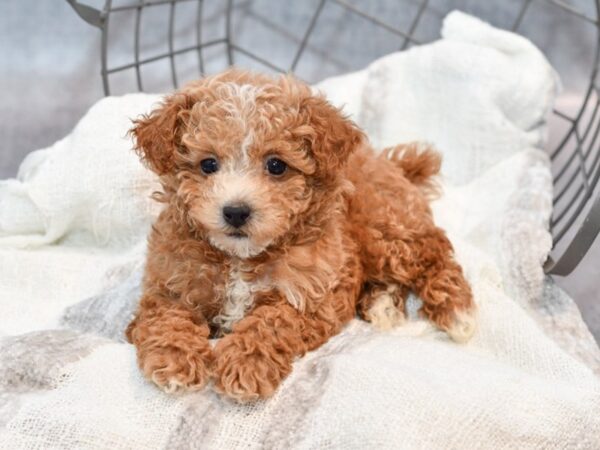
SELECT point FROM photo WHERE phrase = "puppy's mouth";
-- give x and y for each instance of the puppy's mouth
(237, 235)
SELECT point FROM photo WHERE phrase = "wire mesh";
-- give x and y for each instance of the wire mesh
(576, 159)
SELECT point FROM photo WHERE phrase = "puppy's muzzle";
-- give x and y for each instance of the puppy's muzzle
(237, 215)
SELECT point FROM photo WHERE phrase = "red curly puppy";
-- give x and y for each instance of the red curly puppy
(279, 224)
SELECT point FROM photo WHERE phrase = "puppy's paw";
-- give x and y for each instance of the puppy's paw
(175, 370)
(383, 313)
(463, 325)
(246, 369)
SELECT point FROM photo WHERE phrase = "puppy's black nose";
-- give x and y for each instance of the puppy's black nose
(236, 216)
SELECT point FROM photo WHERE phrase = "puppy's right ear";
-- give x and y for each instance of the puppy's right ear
(158, 134)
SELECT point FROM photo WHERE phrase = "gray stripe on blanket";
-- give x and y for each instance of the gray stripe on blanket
(109, 313)
(525, 244)
(307, 386)
(561, 319)
(196, 423)
(35, 360)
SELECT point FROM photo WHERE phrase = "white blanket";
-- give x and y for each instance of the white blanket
(72, 242)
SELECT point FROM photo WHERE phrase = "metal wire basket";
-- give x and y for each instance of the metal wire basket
(203, 36)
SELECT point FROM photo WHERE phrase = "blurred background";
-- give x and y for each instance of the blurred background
(51, 61)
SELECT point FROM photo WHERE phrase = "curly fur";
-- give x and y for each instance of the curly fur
(342, 231)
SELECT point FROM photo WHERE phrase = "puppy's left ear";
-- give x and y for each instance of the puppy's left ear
(333, 136)
(158, 134)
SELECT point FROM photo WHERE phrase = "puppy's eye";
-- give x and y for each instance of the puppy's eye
(276, 166)
(209, 165)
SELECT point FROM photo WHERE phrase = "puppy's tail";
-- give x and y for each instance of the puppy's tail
(419, 162)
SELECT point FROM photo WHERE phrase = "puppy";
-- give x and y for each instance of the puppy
(279, 225)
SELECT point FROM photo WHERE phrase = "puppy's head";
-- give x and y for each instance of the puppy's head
(249, 160)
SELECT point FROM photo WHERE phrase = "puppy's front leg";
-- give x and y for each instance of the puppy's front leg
(252, 361)
(172, 344)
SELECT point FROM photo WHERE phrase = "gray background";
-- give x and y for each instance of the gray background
(50, 64)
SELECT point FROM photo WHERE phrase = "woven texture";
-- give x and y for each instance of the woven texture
(526, 380)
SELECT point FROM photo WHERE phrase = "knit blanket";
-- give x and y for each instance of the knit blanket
(72, 246)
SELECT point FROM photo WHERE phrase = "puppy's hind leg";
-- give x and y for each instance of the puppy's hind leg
(425, 262)
(383, 305)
